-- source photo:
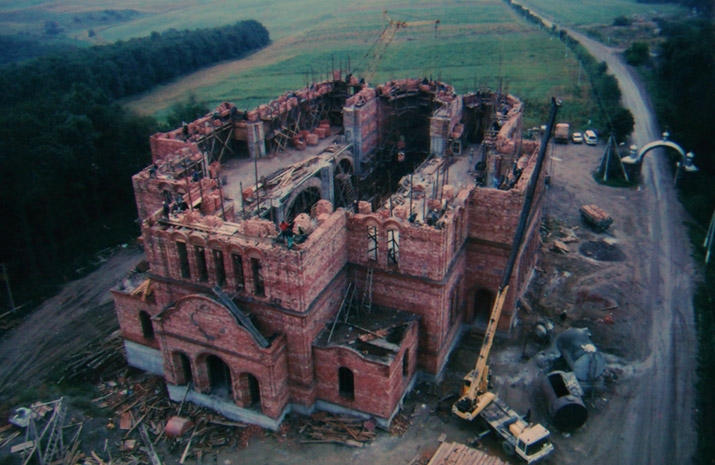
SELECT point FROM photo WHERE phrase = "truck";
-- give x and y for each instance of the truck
(561, 133)
(531, 442)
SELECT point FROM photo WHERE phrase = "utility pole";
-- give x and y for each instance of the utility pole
(6, 278)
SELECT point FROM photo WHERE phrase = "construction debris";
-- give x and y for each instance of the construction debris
(108, 360)
(326, 428)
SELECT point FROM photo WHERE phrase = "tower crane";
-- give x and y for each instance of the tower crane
(377, 51)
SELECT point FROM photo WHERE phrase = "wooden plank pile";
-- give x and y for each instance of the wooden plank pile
(349, 431)
(452, 453)
(106, 360)
(596, 217)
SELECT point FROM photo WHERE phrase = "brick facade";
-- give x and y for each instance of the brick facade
(286, 339)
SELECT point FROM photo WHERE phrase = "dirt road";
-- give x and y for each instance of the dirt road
(651, 421)
(81, 314)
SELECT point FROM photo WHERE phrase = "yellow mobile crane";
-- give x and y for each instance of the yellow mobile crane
(531, 442)
(377, 51)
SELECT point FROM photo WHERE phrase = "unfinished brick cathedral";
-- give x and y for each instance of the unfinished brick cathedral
(322, 251)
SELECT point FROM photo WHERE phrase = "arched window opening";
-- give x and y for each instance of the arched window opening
(147, 325)
(372, 242)
(219, 267)
(258, 283)
(393, 246)
(200, 254)
(183, 260)
(237, 261)
(346, 384)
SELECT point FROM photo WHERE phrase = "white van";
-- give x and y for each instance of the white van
(590, 137)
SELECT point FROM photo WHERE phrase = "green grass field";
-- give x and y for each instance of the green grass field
(588, 12)
(476, 44)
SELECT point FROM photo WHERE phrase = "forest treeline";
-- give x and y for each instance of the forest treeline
(129, 67)
(684, 96)
(68, 150)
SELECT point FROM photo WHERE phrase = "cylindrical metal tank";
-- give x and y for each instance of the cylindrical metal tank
(563, 400)
(581, 354)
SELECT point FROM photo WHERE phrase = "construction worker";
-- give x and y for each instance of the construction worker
(286, 233)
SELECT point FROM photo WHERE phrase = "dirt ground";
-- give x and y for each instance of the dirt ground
(638, 309)
(611, 298)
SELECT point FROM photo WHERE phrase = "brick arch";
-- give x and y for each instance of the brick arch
(392, 224)
(372, 220)
(312, 183)
(197, 239)
(346, 162)
(249, 390)
(252, 252)
(215, 244)
(235, 248)
(213, 377)
(182, 367)
(179, 236)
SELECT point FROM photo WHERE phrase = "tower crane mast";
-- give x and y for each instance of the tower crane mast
(377, 51)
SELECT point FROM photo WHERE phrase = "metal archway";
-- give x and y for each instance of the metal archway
(636, 155)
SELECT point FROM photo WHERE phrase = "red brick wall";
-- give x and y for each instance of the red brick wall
(128, 308)
(378, 387)
(198, 326)
(424, 251)
(293, 279)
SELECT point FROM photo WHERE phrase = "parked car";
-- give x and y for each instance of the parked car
(577, 138)
(590, 137)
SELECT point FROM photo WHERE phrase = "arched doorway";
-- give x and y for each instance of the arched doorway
(304, 201)
(184, 365)
(251, 390)
(346, 383)
(482, 309)
(219, 376)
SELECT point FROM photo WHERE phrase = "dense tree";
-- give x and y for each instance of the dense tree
(128, 67)
(68, 150)
(637, 54)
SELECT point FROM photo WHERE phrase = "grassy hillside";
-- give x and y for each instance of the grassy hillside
(476, 44)
(589, 12)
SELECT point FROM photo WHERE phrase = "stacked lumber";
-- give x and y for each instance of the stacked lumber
(452, 453)
(349, 431)
(106, 360)
(596, 217)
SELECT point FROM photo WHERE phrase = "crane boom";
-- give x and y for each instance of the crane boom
(475, 391)
(388, 33)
